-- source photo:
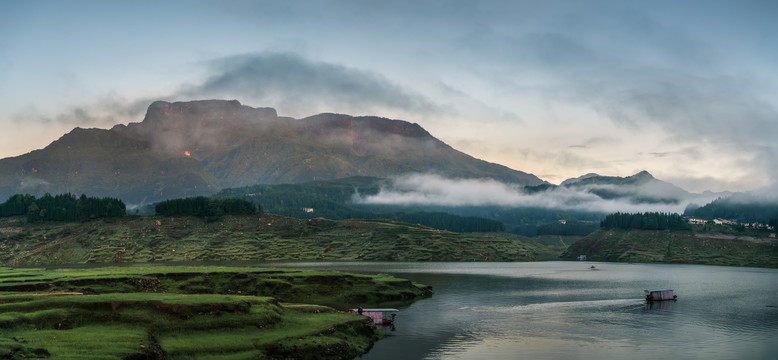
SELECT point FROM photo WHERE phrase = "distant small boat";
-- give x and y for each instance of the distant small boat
(377, 315)
(660, 295)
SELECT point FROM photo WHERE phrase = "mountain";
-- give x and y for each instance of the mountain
(103, 163)
(578, 179)
(198, 147)
(639, 188)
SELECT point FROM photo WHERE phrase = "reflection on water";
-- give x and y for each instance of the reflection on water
(659, 305)
(564, 310)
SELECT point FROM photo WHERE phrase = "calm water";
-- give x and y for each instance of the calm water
(564, 310)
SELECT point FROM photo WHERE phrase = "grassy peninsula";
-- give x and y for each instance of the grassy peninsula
(174, 312)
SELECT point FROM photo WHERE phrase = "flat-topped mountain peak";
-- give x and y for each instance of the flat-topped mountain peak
(198, 147)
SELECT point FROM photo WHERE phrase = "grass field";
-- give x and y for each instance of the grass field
(152, 312)
(680, 247)
(268, 237)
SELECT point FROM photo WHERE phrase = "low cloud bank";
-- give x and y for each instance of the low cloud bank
(435, 190)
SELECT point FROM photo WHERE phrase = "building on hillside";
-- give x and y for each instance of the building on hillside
(755, 226)
(307, 210)
(724, 222)
(696, 221)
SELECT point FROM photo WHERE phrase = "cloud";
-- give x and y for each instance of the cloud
(597, 141)
(702, 83)
(435, 190)
(427, 189)
(30, 183)
(289, 82)
(727, 115)
(103, 112)
(305, 87)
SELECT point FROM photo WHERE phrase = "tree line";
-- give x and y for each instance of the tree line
(211, 209)
(645, 221)
(62, 207)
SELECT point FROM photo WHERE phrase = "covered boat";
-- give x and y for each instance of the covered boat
(377, 315)
(660, 294)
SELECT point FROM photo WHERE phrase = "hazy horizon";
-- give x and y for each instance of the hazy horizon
(683, 90)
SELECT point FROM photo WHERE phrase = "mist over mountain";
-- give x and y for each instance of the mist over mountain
(436, 201)
(198, 147)
(590, 193)
(639, 188)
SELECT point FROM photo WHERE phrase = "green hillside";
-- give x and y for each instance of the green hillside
(675, 246)
(175, 312)
(241, 238)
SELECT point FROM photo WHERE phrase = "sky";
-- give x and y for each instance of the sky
(686, 90)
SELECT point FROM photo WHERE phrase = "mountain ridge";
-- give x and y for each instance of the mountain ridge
(198, 147)
(642, 187)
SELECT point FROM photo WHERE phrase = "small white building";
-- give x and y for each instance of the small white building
(723, 222)
(696, 221)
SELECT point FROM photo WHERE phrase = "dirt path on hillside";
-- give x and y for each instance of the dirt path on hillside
(53, 293)
(50, 244)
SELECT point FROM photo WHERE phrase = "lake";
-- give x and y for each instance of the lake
(565, 310)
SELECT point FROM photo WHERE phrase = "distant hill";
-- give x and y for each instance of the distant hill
(675, 246)
(580, 178)
(742, 207)
(194, 148)
(639, 188)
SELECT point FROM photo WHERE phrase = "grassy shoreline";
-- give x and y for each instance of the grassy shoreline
(172, 312)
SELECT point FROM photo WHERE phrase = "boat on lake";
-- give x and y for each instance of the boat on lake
(379, 316)
(660, 295)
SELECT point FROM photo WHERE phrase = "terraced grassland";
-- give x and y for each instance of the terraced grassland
(190, 312)
(268, 237)
(679, 247)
